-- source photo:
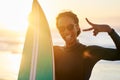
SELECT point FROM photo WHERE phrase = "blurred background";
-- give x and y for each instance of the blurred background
(14, 23)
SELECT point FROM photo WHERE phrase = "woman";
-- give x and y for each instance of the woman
(75, 61)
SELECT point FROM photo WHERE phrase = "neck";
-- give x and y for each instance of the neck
(70, 44)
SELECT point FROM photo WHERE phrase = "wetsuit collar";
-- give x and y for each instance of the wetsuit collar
(72, 47)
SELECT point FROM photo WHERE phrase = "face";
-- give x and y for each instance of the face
(68, 29)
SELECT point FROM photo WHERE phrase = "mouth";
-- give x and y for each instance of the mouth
(68, 37)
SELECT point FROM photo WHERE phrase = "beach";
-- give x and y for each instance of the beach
(103, 70)
(15, 18)
(10, 57)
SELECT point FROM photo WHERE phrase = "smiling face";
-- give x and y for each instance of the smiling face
(68, 29)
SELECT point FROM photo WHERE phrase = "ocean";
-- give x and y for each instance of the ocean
(11, 53)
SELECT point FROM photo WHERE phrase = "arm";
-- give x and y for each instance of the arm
(98, 28)
(104, 28)
(98, 53)
(116, 38)
(113, 54)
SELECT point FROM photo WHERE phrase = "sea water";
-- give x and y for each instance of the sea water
(11, 52)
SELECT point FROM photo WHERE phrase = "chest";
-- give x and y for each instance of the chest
(68, 61)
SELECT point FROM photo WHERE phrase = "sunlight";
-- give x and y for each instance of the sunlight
(87, 54)
(10, 65)
(14, 15)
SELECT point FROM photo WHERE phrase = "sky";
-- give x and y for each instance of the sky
(14, 13)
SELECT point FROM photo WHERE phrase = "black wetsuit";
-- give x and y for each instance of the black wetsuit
(77, 62)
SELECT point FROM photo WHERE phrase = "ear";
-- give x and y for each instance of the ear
(78, 29)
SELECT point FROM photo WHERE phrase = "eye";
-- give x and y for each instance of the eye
(61, 28)
(70, 27)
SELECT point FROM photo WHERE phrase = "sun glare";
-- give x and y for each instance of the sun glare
(10, 66)
(14, 14)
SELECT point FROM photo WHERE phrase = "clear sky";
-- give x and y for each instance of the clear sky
(14, 13)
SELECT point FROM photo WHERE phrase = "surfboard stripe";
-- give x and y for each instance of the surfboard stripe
(34, 53)
(36, 40)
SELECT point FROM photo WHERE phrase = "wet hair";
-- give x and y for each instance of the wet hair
(71, 15)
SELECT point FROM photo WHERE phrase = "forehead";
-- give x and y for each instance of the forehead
(65, 21)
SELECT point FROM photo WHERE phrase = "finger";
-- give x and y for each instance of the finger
(89, 29)
(95, 33)
(89, 22)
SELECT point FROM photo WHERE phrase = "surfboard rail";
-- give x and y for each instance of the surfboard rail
(37, 58)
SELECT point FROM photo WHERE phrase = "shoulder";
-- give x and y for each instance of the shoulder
(58, 49)
(93, 49)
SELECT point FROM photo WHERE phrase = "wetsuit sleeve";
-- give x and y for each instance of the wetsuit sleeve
(106, 53)
(99, 53)
(116, 38)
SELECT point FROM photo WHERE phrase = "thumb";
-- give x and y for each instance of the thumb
(89, 29)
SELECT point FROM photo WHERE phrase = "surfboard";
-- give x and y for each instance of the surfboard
(37, 61)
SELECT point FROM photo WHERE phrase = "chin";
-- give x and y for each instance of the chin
(69, 41)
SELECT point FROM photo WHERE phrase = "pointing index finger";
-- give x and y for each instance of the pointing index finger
(89, 22)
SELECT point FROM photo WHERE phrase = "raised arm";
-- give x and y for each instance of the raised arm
(98, 28)
(104, 28)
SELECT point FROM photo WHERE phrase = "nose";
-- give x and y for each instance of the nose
(66, 31)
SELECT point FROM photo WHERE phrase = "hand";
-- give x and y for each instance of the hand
(98, 28)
